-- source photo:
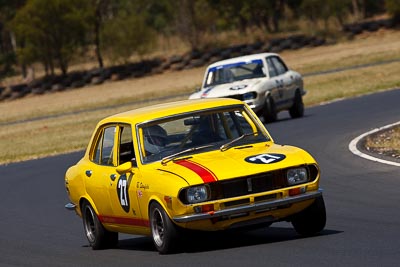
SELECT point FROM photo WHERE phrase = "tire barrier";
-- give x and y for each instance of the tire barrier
(368, 26)
(192, 59)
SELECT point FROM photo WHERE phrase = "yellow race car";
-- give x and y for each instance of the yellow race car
(205, 164)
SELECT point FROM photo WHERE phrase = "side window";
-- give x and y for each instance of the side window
(126, 152)
(279, 65)
(103, 153)
(228, 126)
(238, 124)
(108, 146)
(271, 68)
(97, 152)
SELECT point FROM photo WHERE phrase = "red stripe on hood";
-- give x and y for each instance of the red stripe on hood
(205, 174)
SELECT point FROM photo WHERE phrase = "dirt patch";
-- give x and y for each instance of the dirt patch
(385, 143)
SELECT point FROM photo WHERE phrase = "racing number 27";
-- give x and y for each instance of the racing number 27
(123, 197)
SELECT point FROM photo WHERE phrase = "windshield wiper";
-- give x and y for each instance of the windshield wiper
(167, 159)
(228, 145)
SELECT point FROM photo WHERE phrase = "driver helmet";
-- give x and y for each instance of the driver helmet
(155, 139)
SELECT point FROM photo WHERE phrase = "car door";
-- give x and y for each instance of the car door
(286, 81)
(123, 187)
(100, 168)
(276, 82)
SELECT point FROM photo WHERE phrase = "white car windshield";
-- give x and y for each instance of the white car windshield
(199, 131)
(237, 71)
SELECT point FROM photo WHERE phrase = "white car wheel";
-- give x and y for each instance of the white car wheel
(269, 112)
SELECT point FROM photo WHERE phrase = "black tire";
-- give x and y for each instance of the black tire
(163, 231)
(269, 112)
(297, 110)
(96, 234)
(312, 220)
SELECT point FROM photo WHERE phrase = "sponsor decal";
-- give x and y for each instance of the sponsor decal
(238, 87)
(205, 174)
(142, 185)
(265, 158)
(205, 93)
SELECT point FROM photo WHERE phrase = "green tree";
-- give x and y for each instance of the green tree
(50, 31)
(126, 32)
(367, 8)
(96, 18)
(232, 13)
(192, 19)
(8, 8)
(242, 14)
(316, 10)
(393, 7)
(374, 7)
(159, 15)
(339, 9)
(267, 14)
(295, 7)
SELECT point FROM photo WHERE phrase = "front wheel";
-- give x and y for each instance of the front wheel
(163, 231)
(312, 220)
(97, 235)
(297, 110)
(269, 111)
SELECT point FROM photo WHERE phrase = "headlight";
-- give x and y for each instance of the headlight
(197, 194)
(297, 176)
(249, 95)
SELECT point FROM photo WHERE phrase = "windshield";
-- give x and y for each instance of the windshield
(196, 132)
(238, 71)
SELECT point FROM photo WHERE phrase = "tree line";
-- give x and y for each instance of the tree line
(54, 32)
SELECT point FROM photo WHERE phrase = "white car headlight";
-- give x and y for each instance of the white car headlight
(249, 95)
(197, 194)
(297, 176)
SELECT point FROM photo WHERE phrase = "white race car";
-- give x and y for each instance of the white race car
(263, 81)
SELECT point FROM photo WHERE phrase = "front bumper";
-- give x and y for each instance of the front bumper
(255, 207)
(255, 104)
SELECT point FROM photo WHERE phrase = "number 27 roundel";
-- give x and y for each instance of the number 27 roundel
(265, 158)
(122, 191)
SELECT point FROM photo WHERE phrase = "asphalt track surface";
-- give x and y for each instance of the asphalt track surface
(362, 200)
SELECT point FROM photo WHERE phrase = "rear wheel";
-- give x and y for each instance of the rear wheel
(269, 112)
(297, 110)
(97, 235)
(312, 220)
(164, 232)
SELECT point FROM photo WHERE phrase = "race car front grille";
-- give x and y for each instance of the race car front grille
(248, 185)
(252, 184)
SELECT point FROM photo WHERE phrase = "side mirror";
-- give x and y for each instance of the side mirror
(125, 167)
(134, 162)
(197, 89)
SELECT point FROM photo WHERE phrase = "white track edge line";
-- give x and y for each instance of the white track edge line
(354, 150)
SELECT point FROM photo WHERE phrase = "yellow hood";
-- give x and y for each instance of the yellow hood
(236, 162)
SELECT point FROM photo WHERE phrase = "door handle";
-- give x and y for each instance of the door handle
(113, 176)
(88, 173)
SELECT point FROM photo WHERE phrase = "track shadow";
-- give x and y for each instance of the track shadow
(284, 116)
(195, 242)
